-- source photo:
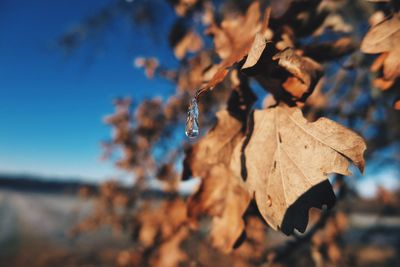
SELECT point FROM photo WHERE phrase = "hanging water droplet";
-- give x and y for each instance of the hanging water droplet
(192, 121)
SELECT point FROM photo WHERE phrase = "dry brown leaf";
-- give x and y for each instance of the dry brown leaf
(378, 62)
(216, 146)
(234, 38)
(376, 17)
(235, 35)
(182, 7)
(175, 215)
(223, 197)
(149, 65)
(397, 105)
(334, 253)
(286, 156)
(306, 72)
(221, 194)
(170, 254)
(210, 197)
(382, 84)
(256, 49)
(228, 227)
(303, 68)
(195, 73)
(208, 13)
(149, 226)
(191, 42)
(385, 37)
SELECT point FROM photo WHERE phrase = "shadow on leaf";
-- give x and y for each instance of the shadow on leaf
(296, 216)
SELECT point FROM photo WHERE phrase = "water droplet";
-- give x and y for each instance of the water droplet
(192, 121)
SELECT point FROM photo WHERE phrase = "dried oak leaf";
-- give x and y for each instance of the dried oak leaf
(286, 156)
(291, 78)
(227, 227)
(210, 197)
(182, 7)
(385, 37)
(190, 43)
(233, 39)
(216, 147)
(223, 197)
(150, 65)
(306, 72)
(221, 194)
(397, 105)
(170, 253)
(194, 73)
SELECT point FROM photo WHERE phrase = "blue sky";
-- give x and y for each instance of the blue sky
(51, 105)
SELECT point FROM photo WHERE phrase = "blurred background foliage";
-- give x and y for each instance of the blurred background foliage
(139, 218)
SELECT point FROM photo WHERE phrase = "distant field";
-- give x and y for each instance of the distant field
(34, 227)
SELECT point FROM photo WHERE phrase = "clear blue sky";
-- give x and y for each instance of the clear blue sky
(51, 105)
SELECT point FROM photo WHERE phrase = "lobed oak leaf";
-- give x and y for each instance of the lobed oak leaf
(227, 228)
(385, 37)
(234, 38)
(287, 157)
(223, 197)
(191, 42)
(397, 105)
(255, 52)
(193, 75)
(221, 194)
(210, 197)
(215, 147)
(183, 7)
(170, 254)
(291, 79)
(307, 71)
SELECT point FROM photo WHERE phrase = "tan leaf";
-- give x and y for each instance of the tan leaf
(286, 156)
(221, 195)
(303, 68)
(385, 37)
(391, 66)
(191, 42)
(210, 197)
(397, 105)
(227, 228)
(182, 7)
(150, 65)
(378, 62)
(256, 49)
(170, 254)
(234, 38)
(382, 37)
(295, 87)
(216, 146)
(382, 83)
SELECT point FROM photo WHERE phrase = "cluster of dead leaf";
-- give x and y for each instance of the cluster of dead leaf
(382, 39)
(273, 156)
(255, 165)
